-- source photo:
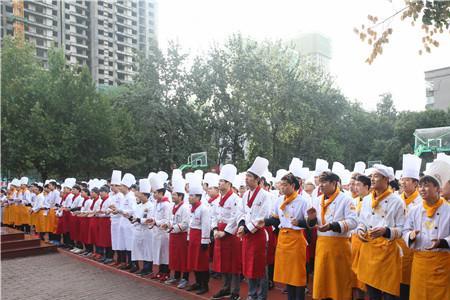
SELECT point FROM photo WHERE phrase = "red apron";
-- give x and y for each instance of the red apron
(211, 250)
(74, 228)
(178, 248)
(63, 223)
(103, 238)
(254, 254)
(311, 247)
(84, 229)
(92, 230)
(227, 253)
(198, 259)
(60, 227)
(272, 245)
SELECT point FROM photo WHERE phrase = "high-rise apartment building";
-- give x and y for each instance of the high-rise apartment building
(105, 35)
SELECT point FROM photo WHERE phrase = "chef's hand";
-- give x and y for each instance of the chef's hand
(260, 223)
(324, 228)
(311, 213)
(240, 232)
(434, 245)
(377, 232)
(164, 226)
(219, 234)
(150, 222)
(413, 235)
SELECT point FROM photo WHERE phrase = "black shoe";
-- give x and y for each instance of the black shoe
(271, 285)
(193, 287)
(221, 294)
(202, 291)
(125, 267)
(235, 297)
(143, 272)
(134, 269)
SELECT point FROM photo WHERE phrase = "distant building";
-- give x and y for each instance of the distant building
(315, 47)
(438, 88)
(105, 35)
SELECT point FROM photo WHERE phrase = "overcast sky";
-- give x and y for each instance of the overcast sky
(196, 24)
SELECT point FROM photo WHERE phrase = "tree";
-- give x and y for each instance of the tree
(53, 120)
(167, 128)
(434, 17)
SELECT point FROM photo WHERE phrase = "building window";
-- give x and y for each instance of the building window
(40, 52)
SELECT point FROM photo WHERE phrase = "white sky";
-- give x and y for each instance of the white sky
(197, 24)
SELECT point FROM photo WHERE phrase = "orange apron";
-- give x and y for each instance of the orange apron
(379, 265)
(23, 215)
(7, 215)
(406, 262)
(290, 258)
(40, 221)
(52, 221)
(430, 277)
(356, 246)
(332, 269)
(32, 218)
(13, 217)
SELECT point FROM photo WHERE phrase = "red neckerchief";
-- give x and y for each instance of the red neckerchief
(164, 199)
(93, 202)
(176, 207)
(65, 197)
(300, 190)
(225, 198)
(85, 199)
(211, 200)
(103, 201)
(194, 206)
(250, 201)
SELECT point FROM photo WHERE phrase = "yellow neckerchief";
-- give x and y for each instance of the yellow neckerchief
(327, 203)
(288, 200)
(376, 200)
(411, 198)
(433, 208)
(359, 204)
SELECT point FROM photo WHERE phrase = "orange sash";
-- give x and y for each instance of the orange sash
(411, 198)
(433, 208)
(376, 200)
(327, 203)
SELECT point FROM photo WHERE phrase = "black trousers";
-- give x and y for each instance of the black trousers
(376, 294)
(202, 279)
(296, 292)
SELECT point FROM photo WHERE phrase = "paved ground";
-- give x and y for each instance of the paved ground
(57, 276)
